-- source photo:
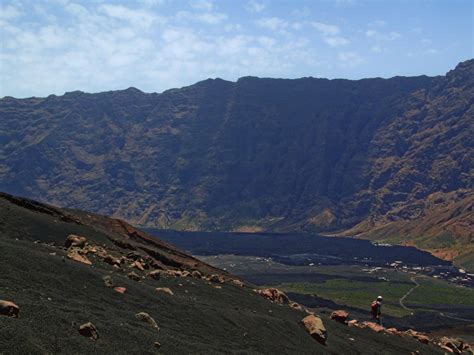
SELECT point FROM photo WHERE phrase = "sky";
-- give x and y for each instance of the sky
(55, 46)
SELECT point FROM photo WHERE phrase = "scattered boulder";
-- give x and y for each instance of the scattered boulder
(373, 326)
(196, 274)
(138, 265)
(145, 317)
(352, 323)
(164, 290)
(134, 276)
(157, 344)
(237, 283)
(296, 306)
(75, 256)
(216, 279)
(109, 259)
(75, 241)
(89, 330)
(9, 309)
(120, 289)
(315, 327)
(394, 331)
(273, 295)
(108, 281)
(419, 336)
(340, 316)
(456, 345)
(155, 274)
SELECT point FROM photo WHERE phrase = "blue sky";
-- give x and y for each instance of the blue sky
(54, 46)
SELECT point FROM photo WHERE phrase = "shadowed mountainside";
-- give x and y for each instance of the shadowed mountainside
(258, 154)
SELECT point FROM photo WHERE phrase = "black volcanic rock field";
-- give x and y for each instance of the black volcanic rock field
(60, 290)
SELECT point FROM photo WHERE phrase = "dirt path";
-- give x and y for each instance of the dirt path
(400, 301)
(408, 294)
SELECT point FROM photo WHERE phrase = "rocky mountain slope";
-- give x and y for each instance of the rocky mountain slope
(75, 282)
(258, 154)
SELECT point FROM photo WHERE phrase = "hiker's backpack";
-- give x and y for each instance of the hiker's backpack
(374, 307)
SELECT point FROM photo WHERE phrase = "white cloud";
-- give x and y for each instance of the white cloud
(140, 18)
(350, 59)
(272, 23)
(330, 34)
(205, 5)
(389, 36)
(325, 29)
(336, 41)
(254, 6)
(9, 12)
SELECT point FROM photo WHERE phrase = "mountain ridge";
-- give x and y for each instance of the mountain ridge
(305, 154)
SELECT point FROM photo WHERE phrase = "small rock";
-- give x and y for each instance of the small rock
(237, 283)
(315, 327)
(75, 256)
(120, 289)
(9, 309)
(352, 323)
(89, 330)
(157, 344)
(75, 241)
(109, 259)
(145, 317)
(216, 279)
(108, 281)
(164, 290)
(138, 265)
(296, 306)
(340, 316)
(196, 274)
(155, 274)
(373, 326)
(133, 276)
(273, 295)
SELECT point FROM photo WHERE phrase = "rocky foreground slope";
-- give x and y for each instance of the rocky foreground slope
(74, 282)
(257, 154)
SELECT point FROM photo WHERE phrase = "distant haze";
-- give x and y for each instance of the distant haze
(50, 47)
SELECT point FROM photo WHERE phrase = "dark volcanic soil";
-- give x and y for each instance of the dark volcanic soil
(56, 295)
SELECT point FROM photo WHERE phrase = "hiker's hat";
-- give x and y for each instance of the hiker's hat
(380, 298)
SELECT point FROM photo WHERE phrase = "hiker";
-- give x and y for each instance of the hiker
(376, 308)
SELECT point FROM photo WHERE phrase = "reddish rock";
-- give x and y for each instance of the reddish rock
(75, 256)
(274, 295)
(164, 290)
(75, 241)
(9, 309)
(120, 289)
(89, 330)
(138, 265)
(373, 326)
(340, 316)
(394, 331)
(315, 327)
(448, 350)
(352, 323)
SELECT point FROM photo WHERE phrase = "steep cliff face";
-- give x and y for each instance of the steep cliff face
(306, 154)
